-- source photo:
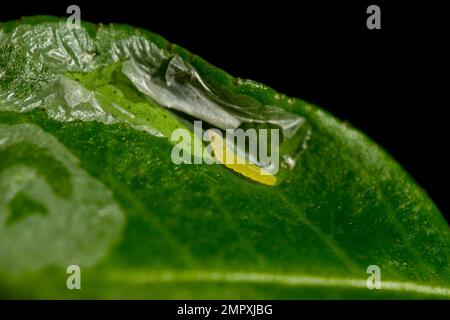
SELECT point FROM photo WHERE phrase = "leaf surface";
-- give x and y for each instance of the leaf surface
(86, 178)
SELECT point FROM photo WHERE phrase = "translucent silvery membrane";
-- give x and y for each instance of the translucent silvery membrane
(160, 80)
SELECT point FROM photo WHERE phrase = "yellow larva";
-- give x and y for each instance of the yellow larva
(249, 170)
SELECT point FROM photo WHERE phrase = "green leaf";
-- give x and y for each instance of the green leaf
(86, 178)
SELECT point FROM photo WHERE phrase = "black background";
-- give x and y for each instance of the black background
(390, 83)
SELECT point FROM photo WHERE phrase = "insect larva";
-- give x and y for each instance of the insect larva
(221, 148)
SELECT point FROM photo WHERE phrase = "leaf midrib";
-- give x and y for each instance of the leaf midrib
(289, 280)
